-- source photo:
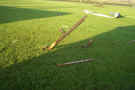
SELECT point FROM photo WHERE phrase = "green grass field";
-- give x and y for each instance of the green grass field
(27, 25)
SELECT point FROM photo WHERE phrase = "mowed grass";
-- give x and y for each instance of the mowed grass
(27, 25)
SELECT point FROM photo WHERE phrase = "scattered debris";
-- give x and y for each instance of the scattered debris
(88, 44)
(114, 15)
(74, 62)
(97, 14)
(67, 33)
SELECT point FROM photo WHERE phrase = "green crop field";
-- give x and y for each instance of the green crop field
(28, 25)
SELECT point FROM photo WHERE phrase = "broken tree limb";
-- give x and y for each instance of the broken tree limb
(97, 14)
(67, 33)
(75, 62)
(113, 14)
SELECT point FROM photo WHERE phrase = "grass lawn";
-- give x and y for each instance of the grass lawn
(27, 25)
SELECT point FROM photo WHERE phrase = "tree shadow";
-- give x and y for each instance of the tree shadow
(11, 14)
(113, 68)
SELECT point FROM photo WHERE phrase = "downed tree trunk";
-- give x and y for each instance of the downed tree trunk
(74, 62)
(67, 33)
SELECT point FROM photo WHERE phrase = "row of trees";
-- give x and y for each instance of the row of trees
(124, 2)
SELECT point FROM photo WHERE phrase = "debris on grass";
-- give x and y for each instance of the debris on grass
(67, 33)
(74, 62)
(114, 14)
(88, 44)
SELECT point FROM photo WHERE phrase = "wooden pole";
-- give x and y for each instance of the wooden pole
(67, 33)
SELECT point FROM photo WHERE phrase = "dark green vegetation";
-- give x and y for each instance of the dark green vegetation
(105, 2)
(25, 25)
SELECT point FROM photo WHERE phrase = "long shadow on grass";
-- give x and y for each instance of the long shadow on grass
(11, 14)
(113, 68)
